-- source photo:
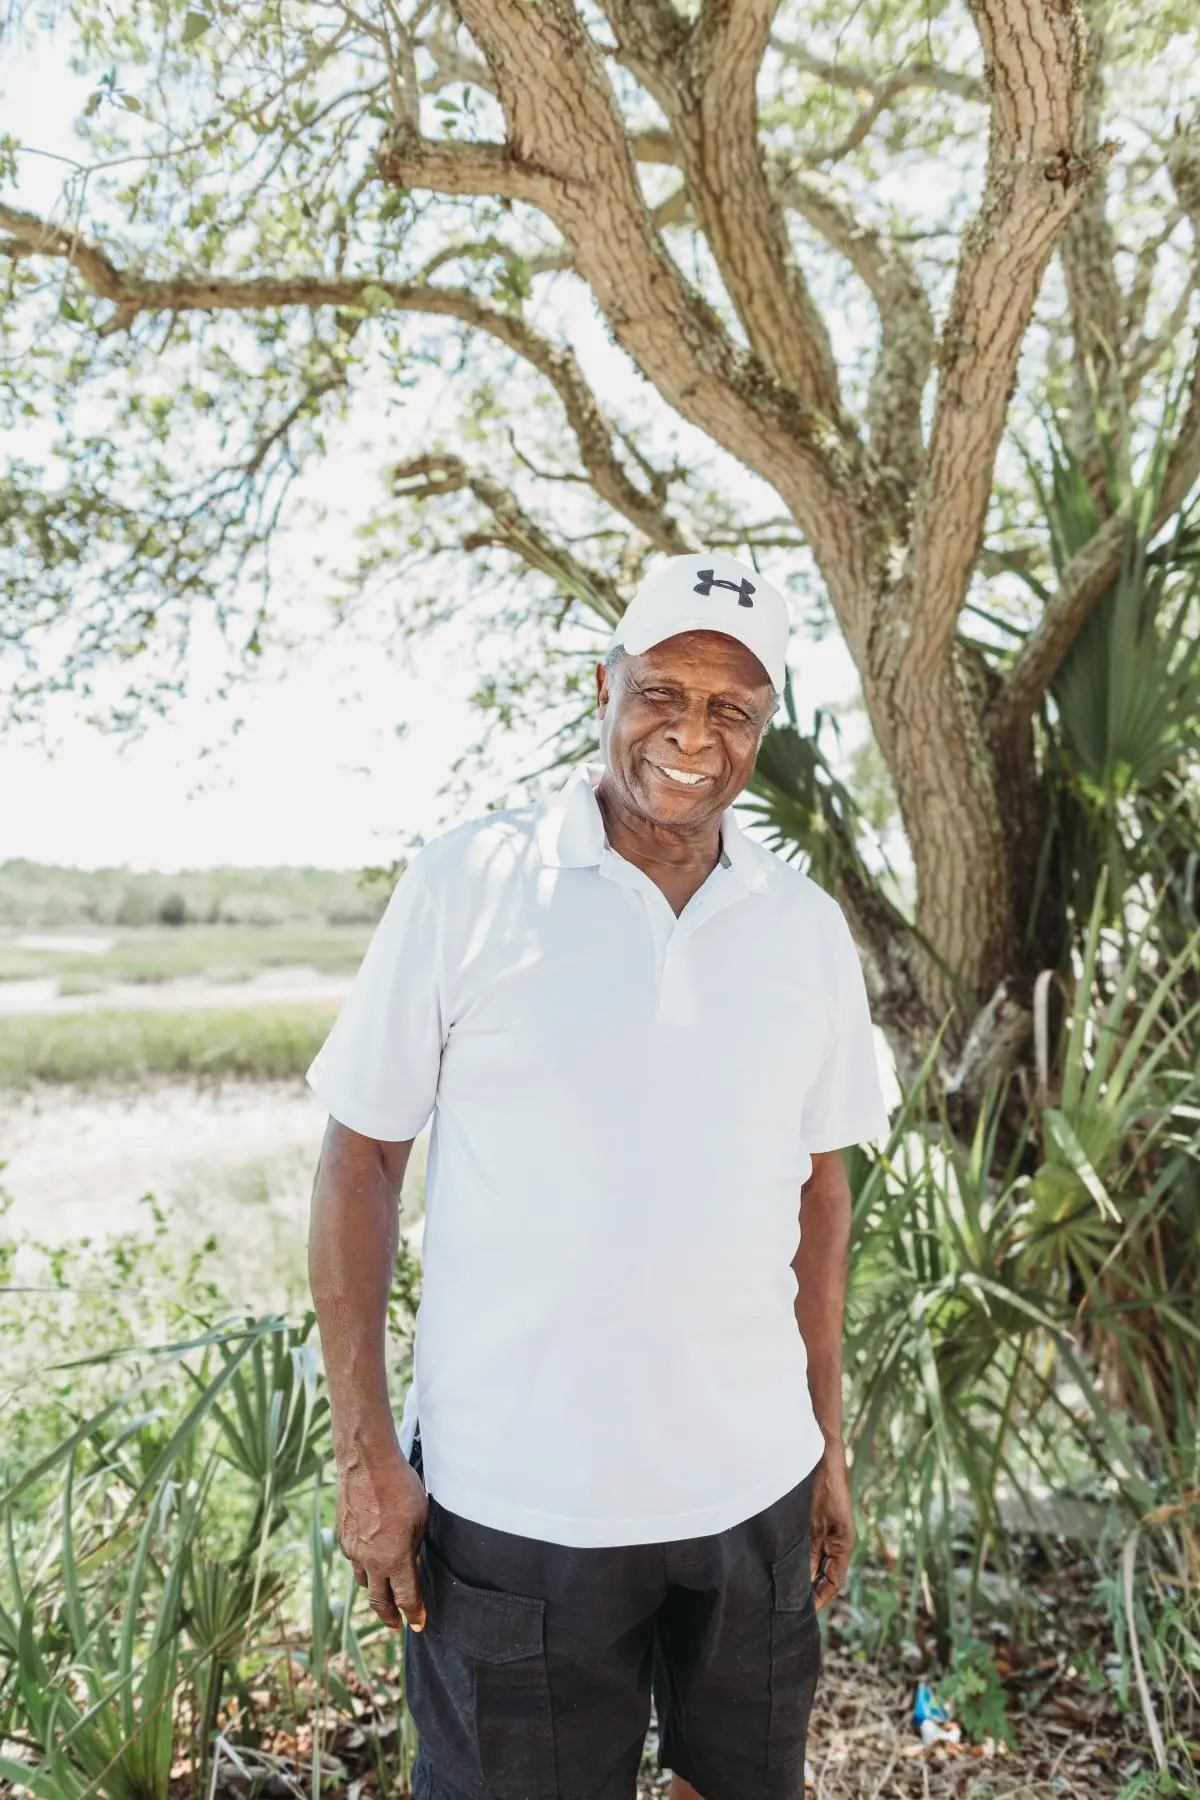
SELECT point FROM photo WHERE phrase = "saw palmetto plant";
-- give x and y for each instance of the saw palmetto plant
(1121, 724)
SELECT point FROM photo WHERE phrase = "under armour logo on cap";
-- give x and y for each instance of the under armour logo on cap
(706, 590)
(708, 579)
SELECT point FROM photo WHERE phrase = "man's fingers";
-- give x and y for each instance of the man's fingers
(381, 1600)
(832, 1564)
(406, 1588)
(360, 1574)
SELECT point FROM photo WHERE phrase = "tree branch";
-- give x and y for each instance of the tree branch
(651, 39)
(1088, 254)
(676, 209)
(453, 66)
(710, 97)
(906, 332)
(1036, 70)
(569, 151)
(858, 131)
(905, 316)
(437, 474)
(31, 236)
(880, 91)
(334, 381)
(1142, 284)
(593, 433)
(1183, 166)
(654, 146)
(906, 320)
(891, 967)
(453, 166)
(874, 81)
(1144, 353)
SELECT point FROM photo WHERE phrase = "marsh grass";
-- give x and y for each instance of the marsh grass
(267, 1042)
(210, 953)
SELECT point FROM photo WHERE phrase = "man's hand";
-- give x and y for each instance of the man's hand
(832, 1522)
(381, 1512)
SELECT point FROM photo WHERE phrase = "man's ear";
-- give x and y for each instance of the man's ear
(602, 691)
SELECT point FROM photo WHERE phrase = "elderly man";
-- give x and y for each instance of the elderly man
(643, 1041)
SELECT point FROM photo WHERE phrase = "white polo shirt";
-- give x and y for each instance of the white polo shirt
(624, 1109)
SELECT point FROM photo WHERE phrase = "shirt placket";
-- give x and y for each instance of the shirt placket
(674, 974)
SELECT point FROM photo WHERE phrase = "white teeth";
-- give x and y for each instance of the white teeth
(681, 775)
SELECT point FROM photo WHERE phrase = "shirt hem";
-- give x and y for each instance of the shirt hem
(658, 1528)
(356, 1118)
(866, 1131)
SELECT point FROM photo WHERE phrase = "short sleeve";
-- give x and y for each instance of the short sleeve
(845, 1103)
(377, 1071)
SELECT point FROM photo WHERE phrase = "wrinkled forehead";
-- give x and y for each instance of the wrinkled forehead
(708, 658)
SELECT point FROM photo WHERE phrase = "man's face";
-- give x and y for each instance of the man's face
(680, 727)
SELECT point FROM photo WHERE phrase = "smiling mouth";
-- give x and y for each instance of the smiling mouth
(683, 777)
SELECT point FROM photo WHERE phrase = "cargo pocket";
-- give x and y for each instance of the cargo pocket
(795, 1658)
(482, 1699)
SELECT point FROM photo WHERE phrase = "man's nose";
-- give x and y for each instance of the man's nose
(691, 730)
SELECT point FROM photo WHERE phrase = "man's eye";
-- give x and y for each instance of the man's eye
(735, 712)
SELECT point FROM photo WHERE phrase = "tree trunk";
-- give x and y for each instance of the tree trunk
(927, 721)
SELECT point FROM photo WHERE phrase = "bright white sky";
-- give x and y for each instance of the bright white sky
(307, 765)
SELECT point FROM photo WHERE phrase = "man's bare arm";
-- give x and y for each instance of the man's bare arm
(352, 1244)
(821, 1267)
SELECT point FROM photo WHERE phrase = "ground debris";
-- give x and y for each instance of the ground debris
(862, 1745)
(1069, 1742)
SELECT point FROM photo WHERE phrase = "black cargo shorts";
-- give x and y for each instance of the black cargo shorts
(533, 1676)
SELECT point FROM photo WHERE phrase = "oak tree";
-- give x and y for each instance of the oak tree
(846, 246)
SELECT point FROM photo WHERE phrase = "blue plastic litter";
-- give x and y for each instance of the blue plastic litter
(931, 1719)
(926, 1707)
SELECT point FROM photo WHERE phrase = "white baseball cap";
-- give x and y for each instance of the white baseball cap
(708, 591)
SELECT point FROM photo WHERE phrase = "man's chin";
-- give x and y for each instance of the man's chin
(668, 802)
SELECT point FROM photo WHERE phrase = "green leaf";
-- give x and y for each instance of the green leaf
(26, 1776)
(1059, 1130)
(64, 1448)
(131, 103)
(195, 24)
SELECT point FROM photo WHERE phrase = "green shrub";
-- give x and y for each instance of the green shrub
(171, 1593)
(1022, 1329)
(974, 1692)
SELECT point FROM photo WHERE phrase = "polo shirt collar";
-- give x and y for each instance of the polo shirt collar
(570, 829)
(570, 833)
(745, 861)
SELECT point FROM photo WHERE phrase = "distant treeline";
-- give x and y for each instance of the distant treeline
(38, 896)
